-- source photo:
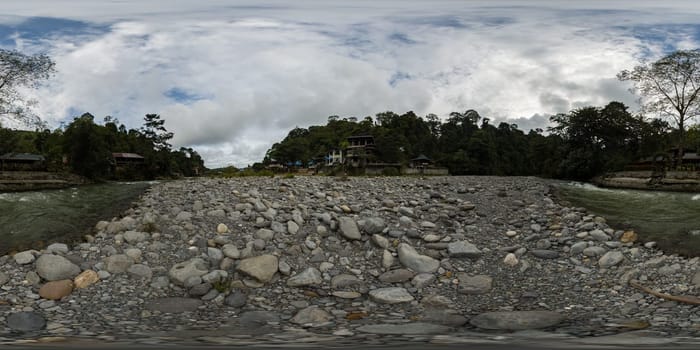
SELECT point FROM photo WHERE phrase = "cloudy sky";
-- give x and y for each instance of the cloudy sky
(232, 77)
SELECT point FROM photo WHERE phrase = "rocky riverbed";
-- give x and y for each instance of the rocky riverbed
(375, 260)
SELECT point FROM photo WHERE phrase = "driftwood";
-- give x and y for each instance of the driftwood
(688, 299)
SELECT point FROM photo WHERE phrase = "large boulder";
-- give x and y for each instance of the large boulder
(261, 267)
(54, 267)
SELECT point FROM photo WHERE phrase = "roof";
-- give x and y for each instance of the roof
(360, 137)
(127, 155)
(421, 157)
(23, 156)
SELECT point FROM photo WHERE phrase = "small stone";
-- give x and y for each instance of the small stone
(309, 277)
(510, 259)
(629, 237)
(391, 295)
(599, 235)
(140, 271)
(545, 254)
(25, 257)
(349, 229)
(180, 272)
(311, 316)
(55, 290)
(410, 258)
(422, 280)
(133, 237)
(85, 279)
(55, 267)
(395, 276)
(478, 284)
(221, 229)
(26, 321)
(463, 249)
(594, 251)
(380, 241)
(344, 281)
(511, 233)
(231, 251)
(236, 299)
(611, 258)
(261, 267)
(118, 263)
(346, 295)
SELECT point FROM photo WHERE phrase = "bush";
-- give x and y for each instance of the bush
(288, 176)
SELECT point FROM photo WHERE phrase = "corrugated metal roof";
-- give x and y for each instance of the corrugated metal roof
(126, 155)
(23, 156)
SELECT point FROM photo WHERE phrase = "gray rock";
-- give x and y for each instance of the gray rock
(380, 241)
(311, 316)
(405, 211)
(57, 248)
(118, 263)
(611, 258)
(200, 289)
(292, 227)
(594, 251)
(478, 284)
(405, 329)
(133, 237)
(349, 229)
(695, 280)
(344, 281)
(3, 278)
(173, 305)
(578, 248)
(236, 299)
(25, 257)
(517, 320)
(26, 321)
(140, 271)
(309, 277)
(545, 254)
(599, 235)
(231, 251)
(54, 267)
(463, 249)
(422, 280)
(215, 255)
(261, 267)
(374, 226)
(391, 295)
(183, 216)
(180, 272)
(217, 213)
(410, 258)
(398, 275)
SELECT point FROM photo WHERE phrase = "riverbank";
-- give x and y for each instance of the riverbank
(18, 181)
(679, 181)
(366, 260)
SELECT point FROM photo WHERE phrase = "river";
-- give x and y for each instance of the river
(665, 217)
(33, 219)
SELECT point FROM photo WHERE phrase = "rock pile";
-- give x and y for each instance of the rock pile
(348, 258)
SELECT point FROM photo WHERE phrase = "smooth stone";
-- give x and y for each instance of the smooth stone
(349, 229)
(545, 254)
(118, 263)
(391, 295)
(380, 241)
(695, 280)
(311, 316)
(478, 284)
(309, 277)
(346, 295)
(404, 329)
(264, 234)
(445, 317)
(55, 267)
(55, 290)
(25, 257)
(231, 251)
(26, 321)
(374, 225)
(511, 259)
(517, 320)
(221, 228)
(578, 247)
(599, 235)
(236, 299)
(133, 237)
(611, 258)
(3, 278)
(410, 258)
(398, 275)
(180, 272)
(173, 305)
(594, 251)
(463, 249)
(422, 280)
(344, 281)
(140, 271)
(261, 267)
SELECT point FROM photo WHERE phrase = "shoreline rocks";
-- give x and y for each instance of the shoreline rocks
(384, 256)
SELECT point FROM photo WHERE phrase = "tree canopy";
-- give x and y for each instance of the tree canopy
(19, 70)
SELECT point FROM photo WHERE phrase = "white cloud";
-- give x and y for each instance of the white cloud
(248, 72)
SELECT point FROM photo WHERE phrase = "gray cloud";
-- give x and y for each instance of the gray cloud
(231, 78)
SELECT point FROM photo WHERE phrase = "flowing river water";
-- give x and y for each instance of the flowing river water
(672, 219)
(32, 219)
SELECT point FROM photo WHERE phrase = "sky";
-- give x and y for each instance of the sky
(231, 78)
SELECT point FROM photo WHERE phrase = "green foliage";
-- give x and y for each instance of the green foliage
(222, 285)
(17, 71)
(288, 176)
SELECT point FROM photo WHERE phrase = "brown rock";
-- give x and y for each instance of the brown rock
(629, 237)
(56, 290)
(85, 279)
